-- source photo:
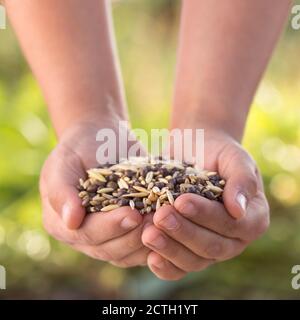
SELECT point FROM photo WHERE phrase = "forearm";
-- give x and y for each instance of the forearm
(70, 49)
(224, 49)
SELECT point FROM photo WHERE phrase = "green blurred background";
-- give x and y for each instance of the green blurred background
(40, 267)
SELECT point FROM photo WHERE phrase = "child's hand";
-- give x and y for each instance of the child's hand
(110, 236)
(199, 232)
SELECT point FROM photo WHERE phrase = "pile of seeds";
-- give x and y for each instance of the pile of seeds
(145, 185)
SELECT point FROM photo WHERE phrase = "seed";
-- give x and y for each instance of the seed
(86, 202)
(215, 189)
(82, 194)
(95, 202)
(105, 172)
(150, 185)
(132, 205)
(163, 180)
(149, 176)
(222, 182)
(141, 189)
(86, 184)
(92, 188)
(170, 197)
(123, 202)
(93, 174)
(122, 184)
(157, 204)
(109, 207)
(211, 173)
(145, 184)
(155, 189)
(98, 198)
(105, 190)
(107, 196)
(148, 209)
(139, 205)
(136, 195)
(112, 184)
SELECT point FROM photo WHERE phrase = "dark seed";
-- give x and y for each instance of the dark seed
(139, 205)
(209, 195)
(113, 177)
(112, 184)
(123, 202)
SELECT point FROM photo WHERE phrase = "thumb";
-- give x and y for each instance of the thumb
(241, 186)
(58, 184)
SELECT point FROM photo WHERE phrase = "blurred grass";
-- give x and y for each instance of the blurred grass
(40, 267)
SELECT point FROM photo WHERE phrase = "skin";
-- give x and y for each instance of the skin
(221, 58)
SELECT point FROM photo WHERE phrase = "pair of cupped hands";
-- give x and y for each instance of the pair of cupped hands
(189, 236)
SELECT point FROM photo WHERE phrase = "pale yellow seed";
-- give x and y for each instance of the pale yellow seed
(150, 185)
(163, 180)
(103, 171)
(96, 176)
(141, 189)
(107, 196)
(135, 195)
(211, 173)
(222, 182)
(132, 205)
(82, 194)
(109, 207)
(149, 177)
(148, 209)
(157, 205)
(170, 197)
(215, 189)
(122, 184)
(86, 184)
(156, 189)
(105, 190)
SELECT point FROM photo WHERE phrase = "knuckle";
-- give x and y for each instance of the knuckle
(101, 254)
(86, 238)
(214, 250)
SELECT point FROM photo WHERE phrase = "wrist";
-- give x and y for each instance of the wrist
(210, 119)
(109, 112)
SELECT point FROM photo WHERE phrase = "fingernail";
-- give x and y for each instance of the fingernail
(66, 214)
(128, 223)
(242, 201)
(158, 242)
(169, 222)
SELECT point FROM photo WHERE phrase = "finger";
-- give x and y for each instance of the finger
(199, 240)
(59, 179)
(119, 248)
(241, 182)
(162, 268)
(173, 251)
(212, 215)
(137, 258)
(97, 228)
